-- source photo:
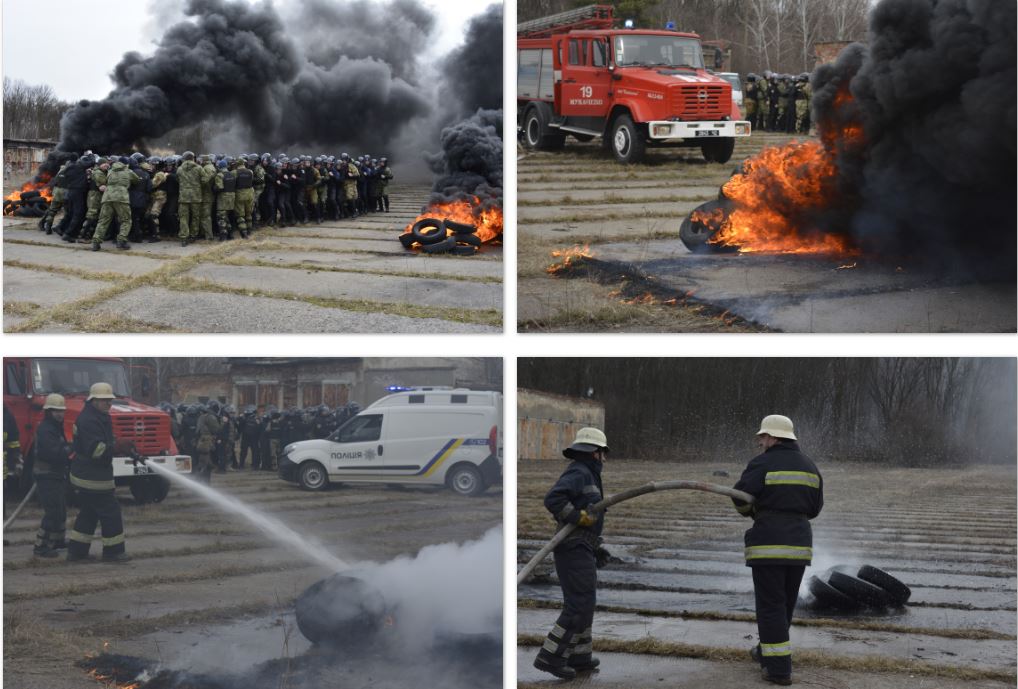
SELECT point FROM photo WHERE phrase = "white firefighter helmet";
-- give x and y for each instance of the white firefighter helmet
(54, 401)
(777, 426)
(101, 391)
(587, 440)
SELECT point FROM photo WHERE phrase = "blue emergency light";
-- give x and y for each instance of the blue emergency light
(670, 26)
(397, 388)
(629, 23)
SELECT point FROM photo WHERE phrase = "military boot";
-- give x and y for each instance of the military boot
(121, 244)
(553, 657)
(580, 653)
(153, 230)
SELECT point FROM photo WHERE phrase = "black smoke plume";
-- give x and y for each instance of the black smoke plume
(471, 161)
(934, 91)
(474, 70)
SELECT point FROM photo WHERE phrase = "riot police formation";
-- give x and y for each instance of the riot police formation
(778, 102)
(200, 198)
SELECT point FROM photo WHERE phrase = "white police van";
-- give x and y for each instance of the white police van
(422, 436)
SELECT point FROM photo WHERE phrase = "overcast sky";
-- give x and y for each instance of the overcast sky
(55, 41)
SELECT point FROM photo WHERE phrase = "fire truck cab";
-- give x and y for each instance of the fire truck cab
(27, 381)
(578, 76)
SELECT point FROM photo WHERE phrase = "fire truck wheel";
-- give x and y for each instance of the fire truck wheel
(898, 592)
(465, 479)
(718, 150)
(535, 129)
(313, 476)
(425, 238)
(141, 489)
(160, 488)
(460, 227)
(627, 143)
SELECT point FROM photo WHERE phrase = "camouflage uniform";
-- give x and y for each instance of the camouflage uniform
(312, 179)
(258, 170)
(206, 197)
(189, 178)
(156, 202)
(244, 201)
(384, 176)
(97, 178)
(115, 201)
(208, 432)
(785, 107)
(802, 103)
(349, 174)
(749, 100)
(225, 184)
(763, 108)
(56, 203)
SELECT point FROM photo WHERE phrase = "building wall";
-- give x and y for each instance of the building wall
(23, 158)
(199, 388)
(547, 423)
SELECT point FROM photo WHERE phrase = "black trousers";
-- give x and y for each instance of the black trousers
(97, 508)
(247, 445)
(576, 568)
(75, 207)
(53, 498)
(776, 588)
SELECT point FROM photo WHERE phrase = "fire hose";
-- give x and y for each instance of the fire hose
(599, 507)
(17, 510)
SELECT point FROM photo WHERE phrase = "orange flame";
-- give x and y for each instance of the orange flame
(782, 186)
(488, 221)
(569, 257)
(41, 186)
(110, 682)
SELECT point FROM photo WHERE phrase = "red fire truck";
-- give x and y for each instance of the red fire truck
(27, 381)
(578, 76)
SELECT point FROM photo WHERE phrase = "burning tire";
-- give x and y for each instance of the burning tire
(861, 591)
(341, 611)
(465, 479)
(439, 247)
(468, 239)
(828, 596)
(313, 476)
(717, 150)
(535, 129)
(895, 589)
(695, 233)
(459, 228)
(426, 238)
(463, 250)
(627, 142)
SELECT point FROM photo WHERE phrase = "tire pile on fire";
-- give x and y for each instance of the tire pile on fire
(26, 204)
(849, 588)
(435, 236)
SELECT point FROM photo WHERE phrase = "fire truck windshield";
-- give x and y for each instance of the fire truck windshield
(75, 376)
(636, 50)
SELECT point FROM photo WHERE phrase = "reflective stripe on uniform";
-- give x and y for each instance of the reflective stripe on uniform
(591, 490)
(92, 485)
(79, 537)
(792, 478)
(778, 552)
(772, 650)
(113, 540)
(583, 649)
(564, 512)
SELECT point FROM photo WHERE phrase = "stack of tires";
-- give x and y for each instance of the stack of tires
(850, 588)
(434, 236)
(32, 205)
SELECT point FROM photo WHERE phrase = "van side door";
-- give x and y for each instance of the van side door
(354, 447)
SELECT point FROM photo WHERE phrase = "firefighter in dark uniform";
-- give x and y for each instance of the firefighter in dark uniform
(567, 649)
(92, 479)
(249, 432)
(789, 491)
(51, 462)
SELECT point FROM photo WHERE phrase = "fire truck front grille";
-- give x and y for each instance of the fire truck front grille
(150, 433)
(701, 101)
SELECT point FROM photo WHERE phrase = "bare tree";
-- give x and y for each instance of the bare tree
(31, 112)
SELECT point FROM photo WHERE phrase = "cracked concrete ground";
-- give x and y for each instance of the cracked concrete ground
(347, 276)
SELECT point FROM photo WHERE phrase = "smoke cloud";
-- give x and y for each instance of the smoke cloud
(471, 161)
(316, 76)
(934, 91)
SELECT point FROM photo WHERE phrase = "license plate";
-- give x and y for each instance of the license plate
(708, 132)
(142, 469)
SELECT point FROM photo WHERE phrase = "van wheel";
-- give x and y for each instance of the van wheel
(627, 144)
(313, 476)
(465, 479)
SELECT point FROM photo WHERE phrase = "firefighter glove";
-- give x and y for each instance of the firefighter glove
(586, 519)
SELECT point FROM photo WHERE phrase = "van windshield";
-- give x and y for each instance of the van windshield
(76, 376)
(632, 50)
